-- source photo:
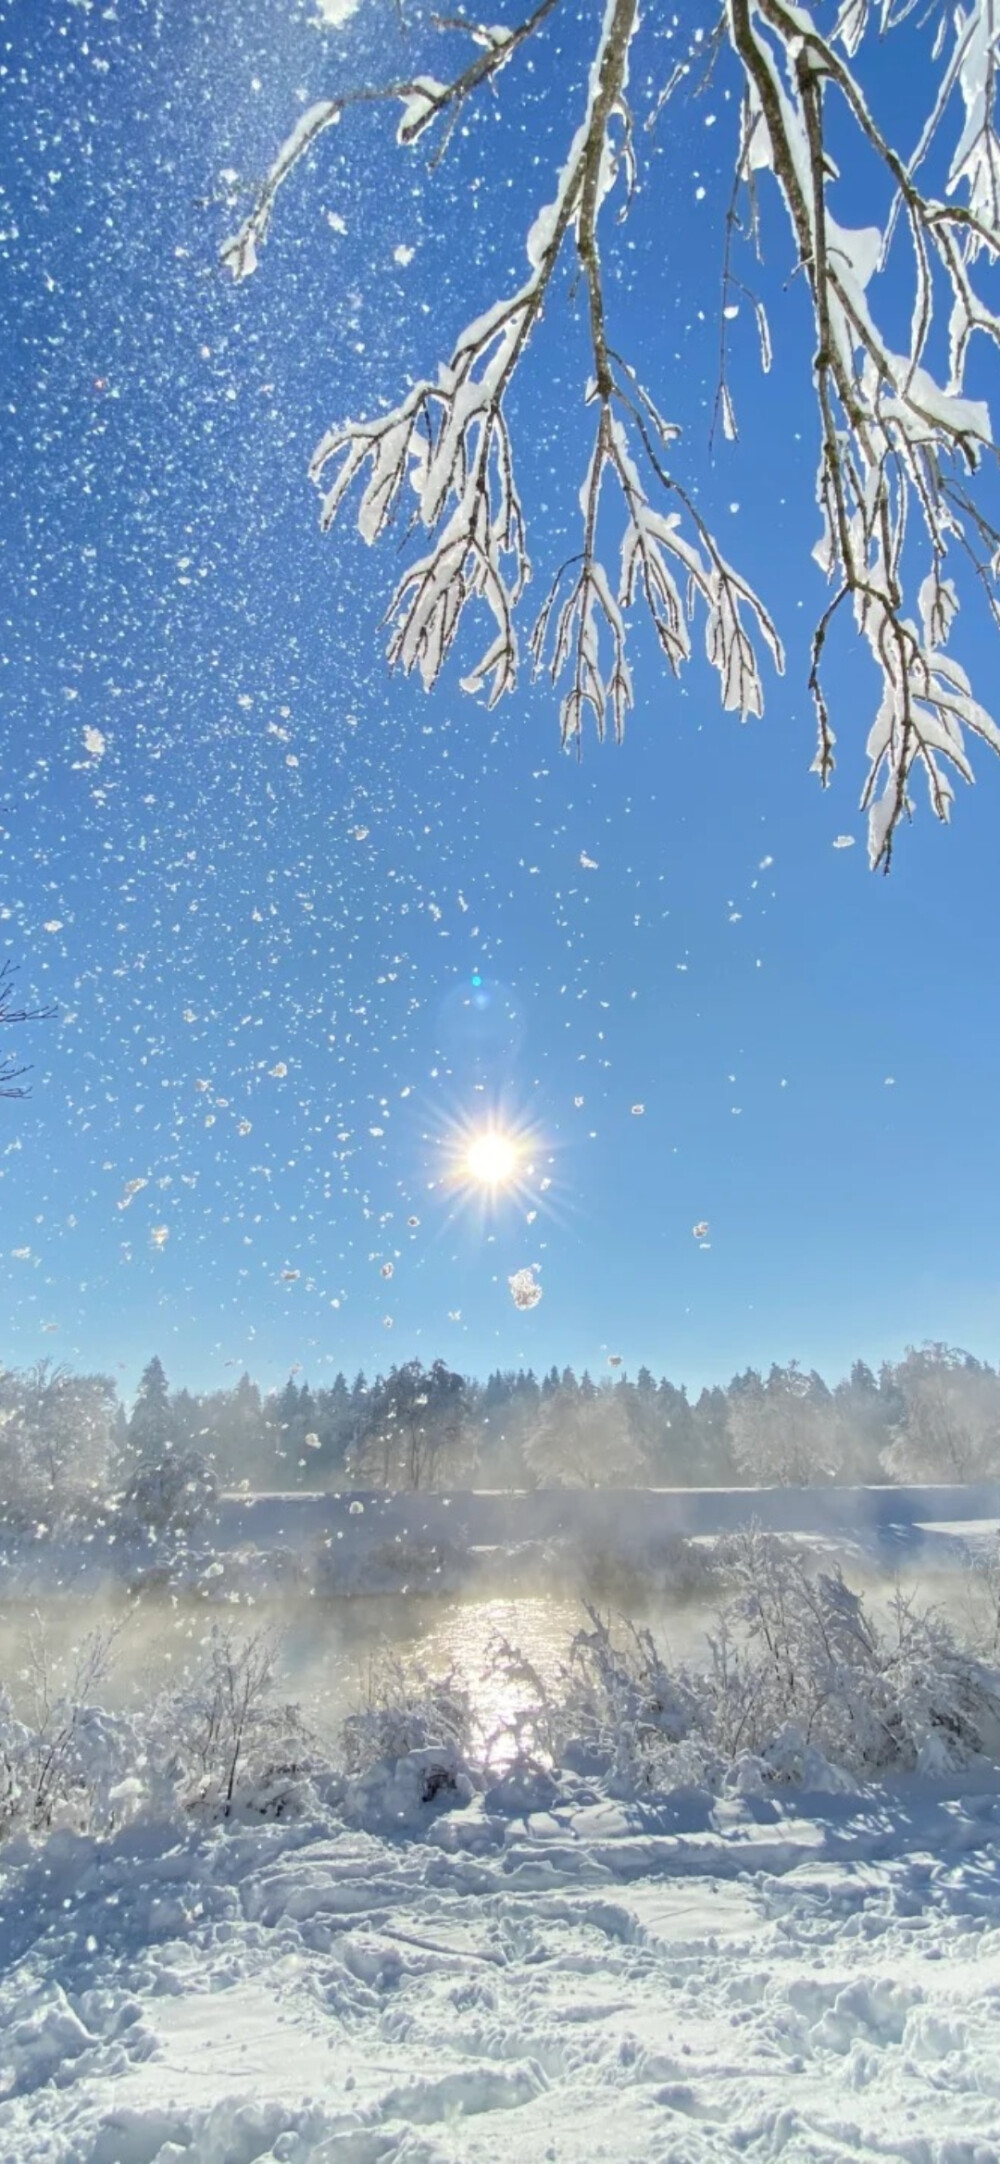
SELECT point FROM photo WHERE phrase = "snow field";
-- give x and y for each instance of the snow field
(751, 1911)
(685, 1982)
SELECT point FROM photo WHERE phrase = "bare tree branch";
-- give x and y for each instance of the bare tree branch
(10, 1014)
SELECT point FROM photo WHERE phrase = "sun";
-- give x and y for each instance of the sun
(492, 1159)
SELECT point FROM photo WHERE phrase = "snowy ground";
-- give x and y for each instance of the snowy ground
(695, 1982)
(543, 1973)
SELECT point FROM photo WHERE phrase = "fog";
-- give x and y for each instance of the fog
(136, 1644)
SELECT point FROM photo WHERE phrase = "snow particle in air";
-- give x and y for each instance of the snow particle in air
(525, 1290)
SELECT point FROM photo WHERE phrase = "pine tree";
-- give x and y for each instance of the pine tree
(151, 1428)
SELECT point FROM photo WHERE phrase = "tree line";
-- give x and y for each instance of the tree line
(69, 1444)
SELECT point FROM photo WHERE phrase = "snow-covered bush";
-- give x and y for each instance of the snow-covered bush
(226, 1742)
(66, 1761)
(626, 1710)
(796, 1651)
(614, 1712)
(404, 1709)
(83, 1771)
(408, 1744)
(802, 1685)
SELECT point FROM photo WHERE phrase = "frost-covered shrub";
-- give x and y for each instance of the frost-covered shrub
(64, 1760)
(404, 1709)
(225, 1742)
(796, 1651)
(83, 1771)
(627, 1710)
(802, 1686)
(615, 1711)
(409, 1743)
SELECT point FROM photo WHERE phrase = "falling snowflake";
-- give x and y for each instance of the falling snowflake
(700, 1230)
(637, 1111)
(588, 864)
(336, 12)
(311, 1441)
(159, 1235)
(843, 841)
(95, 742)
(524, 1288)
(279, 1070)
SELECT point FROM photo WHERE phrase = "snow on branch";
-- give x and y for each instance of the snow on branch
(902, 444)
(894, 440)
(423, 100)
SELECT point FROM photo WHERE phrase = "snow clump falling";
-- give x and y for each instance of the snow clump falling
(525, 1291)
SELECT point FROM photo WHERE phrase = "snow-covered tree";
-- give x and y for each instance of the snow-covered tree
(894, 242)
(152, 1429)
(585, 1442)
(56, 1433)
(416, 1433)
(172, 1495)
(950, 1423)
(785, 1430)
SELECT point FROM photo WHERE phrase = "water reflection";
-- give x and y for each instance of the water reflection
(328, 1646)
(328, 1654)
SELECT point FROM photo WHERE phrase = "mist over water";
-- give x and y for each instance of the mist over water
(327, 1646)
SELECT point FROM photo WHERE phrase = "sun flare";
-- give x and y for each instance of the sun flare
(492, 1159)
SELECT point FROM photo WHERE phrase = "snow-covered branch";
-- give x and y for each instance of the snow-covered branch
(893, 437)
(902, 442)
(424, 100)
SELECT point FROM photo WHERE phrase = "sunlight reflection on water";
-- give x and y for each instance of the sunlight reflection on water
(327, 1647)
(328, 1652)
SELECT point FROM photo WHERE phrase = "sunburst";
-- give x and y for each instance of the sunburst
(493, 1159)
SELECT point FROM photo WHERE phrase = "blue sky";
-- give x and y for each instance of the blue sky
(261, 908)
